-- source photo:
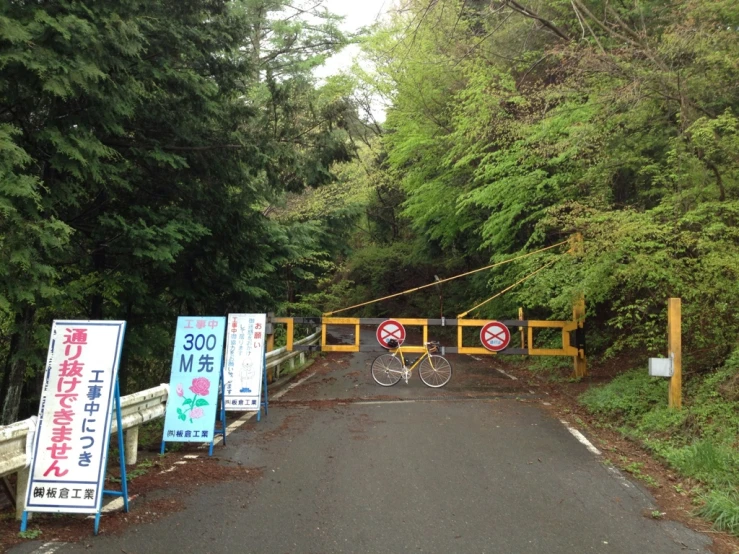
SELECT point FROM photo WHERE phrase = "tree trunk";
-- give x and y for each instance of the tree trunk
(96, 304)
(15, 370)
(123, 370)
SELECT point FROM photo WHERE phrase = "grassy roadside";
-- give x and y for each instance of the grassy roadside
(700, 442)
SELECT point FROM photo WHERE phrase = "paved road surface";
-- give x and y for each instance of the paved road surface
(351, 467)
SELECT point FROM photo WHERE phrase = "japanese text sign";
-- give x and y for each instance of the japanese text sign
(70, 448)
(193, 385)
(243, 371)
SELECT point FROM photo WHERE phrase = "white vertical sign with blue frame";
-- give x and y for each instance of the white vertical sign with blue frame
(70, 448)
(244, 366)
(197, 364)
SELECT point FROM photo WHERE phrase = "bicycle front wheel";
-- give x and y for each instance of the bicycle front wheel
(386, 370)
(435, 371)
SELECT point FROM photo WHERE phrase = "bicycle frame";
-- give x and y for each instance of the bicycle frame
(434, 370)
(407, 371)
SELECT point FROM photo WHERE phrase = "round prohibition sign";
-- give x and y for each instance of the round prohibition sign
(495, 336)
(388, 330)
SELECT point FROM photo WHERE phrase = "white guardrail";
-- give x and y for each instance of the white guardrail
(136, 409)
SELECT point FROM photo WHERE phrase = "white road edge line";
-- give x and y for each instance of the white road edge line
(506, 374)
(580, 437)
(612, 470)
(495, 368)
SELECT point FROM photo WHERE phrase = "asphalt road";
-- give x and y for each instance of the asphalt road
(478, 466)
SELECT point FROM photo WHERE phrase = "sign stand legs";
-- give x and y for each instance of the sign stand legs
(121, 459)
(264, 401)
(221, 415)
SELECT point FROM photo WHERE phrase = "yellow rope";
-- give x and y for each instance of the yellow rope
(445, 280)
(501, 293)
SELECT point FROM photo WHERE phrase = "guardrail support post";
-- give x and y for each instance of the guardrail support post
(20, 492)
(674, 351)
(132, 445)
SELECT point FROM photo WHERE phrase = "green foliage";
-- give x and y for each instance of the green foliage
(707, 462)
(141, 144)
(722, 507)
(30, 534)
(501, 143)
(699, 441)
(628, 396)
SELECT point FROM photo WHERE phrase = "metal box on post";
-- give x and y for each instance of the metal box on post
(660, 367)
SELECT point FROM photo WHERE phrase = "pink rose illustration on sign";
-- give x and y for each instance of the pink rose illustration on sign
(200, 386)
(192, 408)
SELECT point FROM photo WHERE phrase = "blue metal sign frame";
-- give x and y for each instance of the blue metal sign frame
(121, 459)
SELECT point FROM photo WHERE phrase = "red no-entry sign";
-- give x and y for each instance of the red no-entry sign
(388, 330)
(495, 336)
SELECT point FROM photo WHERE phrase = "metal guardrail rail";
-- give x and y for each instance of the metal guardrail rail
(136, 409)
(13, 447)
(281, 356)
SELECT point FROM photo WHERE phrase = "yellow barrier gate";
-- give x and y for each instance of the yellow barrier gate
(572, 332)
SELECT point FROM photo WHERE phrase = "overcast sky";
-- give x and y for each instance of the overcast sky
(357, 14)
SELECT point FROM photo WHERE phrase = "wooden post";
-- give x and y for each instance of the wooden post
(520, 329)
(578, 310)
(578, 316)
(578, 245)
(674, 351)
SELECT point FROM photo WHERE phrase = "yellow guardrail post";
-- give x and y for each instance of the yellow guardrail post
(674, 351)
(289, 333)
(270, 345)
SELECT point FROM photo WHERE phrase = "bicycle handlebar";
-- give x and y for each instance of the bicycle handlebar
(433, 346)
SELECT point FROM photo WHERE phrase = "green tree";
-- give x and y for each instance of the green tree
(140, 164)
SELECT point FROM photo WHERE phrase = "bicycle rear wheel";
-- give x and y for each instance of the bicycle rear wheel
(435, 371)
(386, 370)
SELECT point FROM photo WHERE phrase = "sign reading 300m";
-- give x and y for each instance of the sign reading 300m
(194, 379)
